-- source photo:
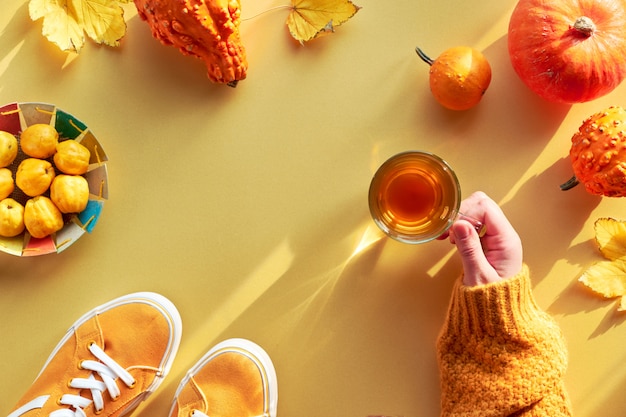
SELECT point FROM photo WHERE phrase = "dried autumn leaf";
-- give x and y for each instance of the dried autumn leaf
(66, 21)
(611, 237)
(309, 18)
(607, 278)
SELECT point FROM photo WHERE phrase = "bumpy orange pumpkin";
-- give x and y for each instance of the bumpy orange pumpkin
(598, 154)
(206, 29)
(569, 51)
(459, 77)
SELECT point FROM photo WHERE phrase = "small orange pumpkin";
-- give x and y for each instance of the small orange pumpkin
(569, 51)
(459, 77)
(598, 154)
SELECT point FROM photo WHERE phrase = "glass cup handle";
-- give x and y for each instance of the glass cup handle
(480, 227)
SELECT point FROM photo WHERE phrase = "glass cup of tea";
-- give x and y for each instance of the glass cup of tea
(414, 197)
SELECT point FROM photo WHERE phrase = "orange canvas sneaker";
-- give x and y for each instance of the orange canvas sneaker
(236, 378)
(108, 362)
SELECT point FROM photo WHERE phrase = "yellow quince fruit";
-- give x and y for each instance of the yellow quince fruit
(71, 157)
(70, 193)
(11, 218)
(42, 217)
(8, 148)
(34, 176)
(7, 185)
(39, 140)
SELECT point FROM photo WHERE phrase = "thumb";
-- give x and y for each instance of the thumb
(475, 264)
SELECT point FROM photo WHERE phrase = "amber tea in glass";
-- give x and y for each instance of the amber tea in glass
(414, 197)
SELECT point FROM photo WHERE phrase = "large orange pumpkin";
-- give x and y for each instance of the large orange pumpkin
(569, 51)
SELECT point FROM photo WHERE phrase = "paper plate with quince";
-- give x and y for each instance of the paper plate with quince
(68, 213)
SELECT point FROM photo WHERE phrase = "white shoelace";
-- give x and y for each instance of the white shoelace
(108, 370)
(198, 413)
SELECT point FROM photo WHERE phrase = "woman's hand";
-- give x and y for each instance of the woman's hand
(495, 256)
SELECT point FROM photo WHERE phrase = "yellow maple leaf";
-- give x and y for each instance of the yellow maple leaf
(611, 237)
(65, 22)
(608, 278)
(310, 18)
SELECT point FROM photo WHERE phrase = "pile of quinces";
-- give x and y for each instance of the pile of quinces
(49, 175)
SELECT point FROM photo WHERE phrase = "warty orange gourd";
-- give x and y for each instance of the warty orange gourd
(206, 29)
(598, 154)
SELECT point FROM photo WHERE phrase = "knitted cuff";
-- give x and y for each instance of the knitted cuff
(500, 354)
(503, 308)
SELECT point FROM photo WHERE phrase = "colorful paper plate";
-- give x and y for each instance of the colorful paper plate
(14, 118)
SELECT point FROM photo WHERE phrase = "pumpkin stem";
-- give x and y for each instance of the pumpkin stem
(571, 183)
(584, 26)
(424, 57)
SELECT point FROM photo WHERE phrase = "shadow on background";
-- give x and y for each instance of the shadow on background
(546, 211)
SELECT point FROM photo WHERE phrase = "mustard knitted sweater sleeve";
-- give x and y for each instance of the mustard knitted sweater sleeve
(500, 354)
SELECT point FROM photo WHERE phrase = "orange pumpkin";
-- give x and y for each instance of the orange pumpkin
(206, 29)
(598, 154)
(458, 77)
(569, 51)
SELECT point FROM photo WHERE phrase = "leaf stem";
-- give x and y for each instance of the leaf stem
(284, 6)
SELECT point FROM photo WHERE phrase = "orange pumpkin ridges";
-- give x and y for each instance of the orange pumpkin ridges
(598, 154)
(206, 29)
(569, 51)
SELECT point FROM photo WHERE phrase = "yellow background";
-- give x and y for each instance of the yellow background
(247, 207)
